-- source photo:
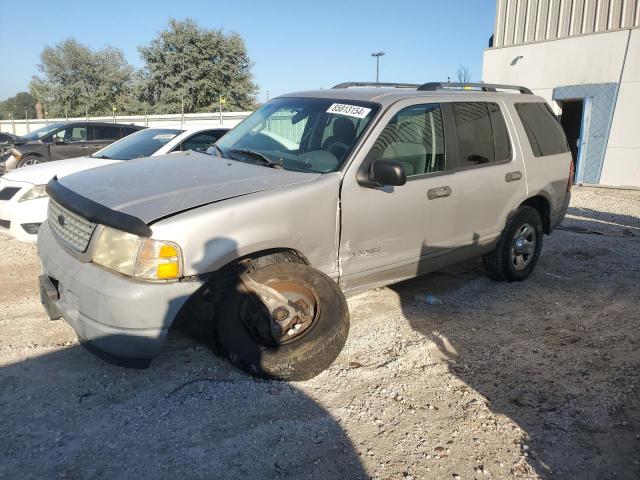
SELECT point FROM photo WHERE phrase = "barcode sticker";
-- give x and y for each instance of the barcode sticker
(349, 110)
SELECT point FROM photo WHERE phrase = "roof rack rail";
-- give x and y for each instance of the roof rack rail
(376, 84)
(486, 87)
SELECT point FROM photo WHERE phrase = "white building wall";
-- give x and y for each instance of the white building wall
(622, 159)
(582, 60)
(519, 21)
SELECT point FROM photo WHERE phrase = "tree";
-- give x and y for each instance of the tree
(77, 81)
(19, 106)
(194, 65)
(464, 74)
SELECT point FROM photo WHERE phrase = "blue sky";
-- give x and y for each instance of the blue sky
(295, 45)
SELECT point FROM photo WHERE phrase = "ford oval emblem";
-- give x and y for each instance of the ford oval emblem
(61, 220)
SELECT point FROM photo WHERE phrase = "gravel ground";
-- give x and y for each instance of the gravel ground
(538, 379)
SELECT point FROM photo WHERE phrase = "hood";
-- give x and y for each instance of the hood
(41, 173)
(155, 187)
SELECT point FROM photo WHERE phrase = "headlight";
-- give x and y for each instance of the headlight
(138, 257)
(39, 191)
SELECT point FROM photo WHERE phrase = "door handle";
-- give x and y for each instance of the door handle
(439, 192)
(513, 176)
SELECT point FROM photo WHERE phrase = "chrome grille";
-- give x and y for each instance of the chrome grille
(74, 230)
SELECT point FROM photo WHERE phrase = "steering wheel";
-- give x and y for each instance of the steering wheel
(339, 149)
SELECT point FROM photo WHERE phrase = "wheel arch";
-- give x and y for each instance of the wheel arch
(542, 205)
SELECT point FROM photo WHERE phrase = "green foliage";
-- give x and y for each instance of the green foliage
(23, 103)
(198, 65)
(76, 80)
(184, 61)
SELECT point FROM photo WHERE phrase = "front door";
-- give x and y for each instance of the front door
(70, 142)
(387, 230)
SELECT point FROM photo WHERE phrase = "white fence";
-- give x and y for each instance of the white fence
(226, 119)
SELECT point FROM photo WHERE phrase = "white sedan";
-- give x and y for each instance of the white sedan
(23, 196)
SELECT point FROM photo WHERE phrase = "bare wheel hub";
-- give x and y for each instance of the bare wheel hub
(279, 310)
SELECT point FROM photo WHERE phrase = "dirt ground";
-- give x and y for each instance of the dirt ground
(538, 379)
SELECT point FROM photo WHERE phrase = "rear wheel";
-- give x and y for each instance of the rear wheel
(518, 248)
(271, 342)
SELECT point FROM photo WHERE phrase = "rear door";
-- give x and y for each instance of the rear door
(488, 177)
(102, 135)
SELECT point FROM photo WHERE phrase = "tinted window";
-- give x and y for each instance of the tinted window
(415, 138)
(200, 141)
(543, 129)
(140, 144)
(475, 137)
(501, 142)
(128, 131)
(102, 132)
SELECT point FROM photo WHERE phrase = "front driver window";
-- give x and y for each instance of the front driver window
(71, 134)
(415, 138)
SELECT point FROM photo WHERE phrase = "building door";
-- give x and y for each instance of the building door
(571, 120)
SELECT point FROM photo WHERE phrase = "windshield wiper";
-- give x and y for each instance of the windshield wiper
(102, 157)
(257, 155)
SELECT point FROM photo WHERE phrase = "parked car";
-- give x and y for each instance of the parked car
(255, 244)
(7, 140)
(24, 200)
(58, 141)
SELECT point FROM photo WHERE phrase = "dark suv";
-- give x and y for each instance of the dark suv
(58, 141)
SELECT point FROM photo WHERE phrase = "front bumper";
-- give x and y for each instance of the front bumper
(123, 318)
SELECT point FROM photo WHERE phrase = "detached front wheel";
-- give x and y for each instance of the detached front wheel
(284, 321)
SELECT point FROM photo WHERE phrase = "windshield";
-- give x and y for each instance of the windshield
(140, 144)
(302, 134)
(42, 132)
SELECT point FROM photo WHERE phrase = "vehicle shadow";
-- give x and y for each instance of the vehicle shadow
(69, 414)
(554, 353)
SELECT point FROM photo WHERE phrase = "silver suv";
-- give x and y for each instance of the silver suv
(316, 195)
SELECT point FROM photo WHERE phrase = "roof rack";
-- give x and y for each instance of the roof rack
(375, 84)
(486, 87)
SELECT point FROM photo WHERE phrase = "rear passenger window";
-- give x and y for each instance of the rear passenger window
(482, 134)
(415, 138)
(104, 133)
(543, 129)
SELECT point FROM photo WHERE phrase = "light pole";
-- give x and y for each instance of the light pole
(377, 55)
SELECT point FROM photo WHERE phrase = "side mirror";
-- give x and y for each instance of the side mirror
(58, 141)
(387, 173)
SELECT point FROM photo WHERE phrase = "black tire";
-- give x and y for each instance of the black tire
(499, 263)
(301, 358)
(28, 160)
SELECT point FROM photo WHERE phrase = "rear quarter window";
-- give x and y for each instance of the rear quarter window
(543, 130)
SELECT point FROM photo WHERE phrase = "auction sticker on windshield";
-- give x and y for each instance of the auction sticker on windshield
(349, 110)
